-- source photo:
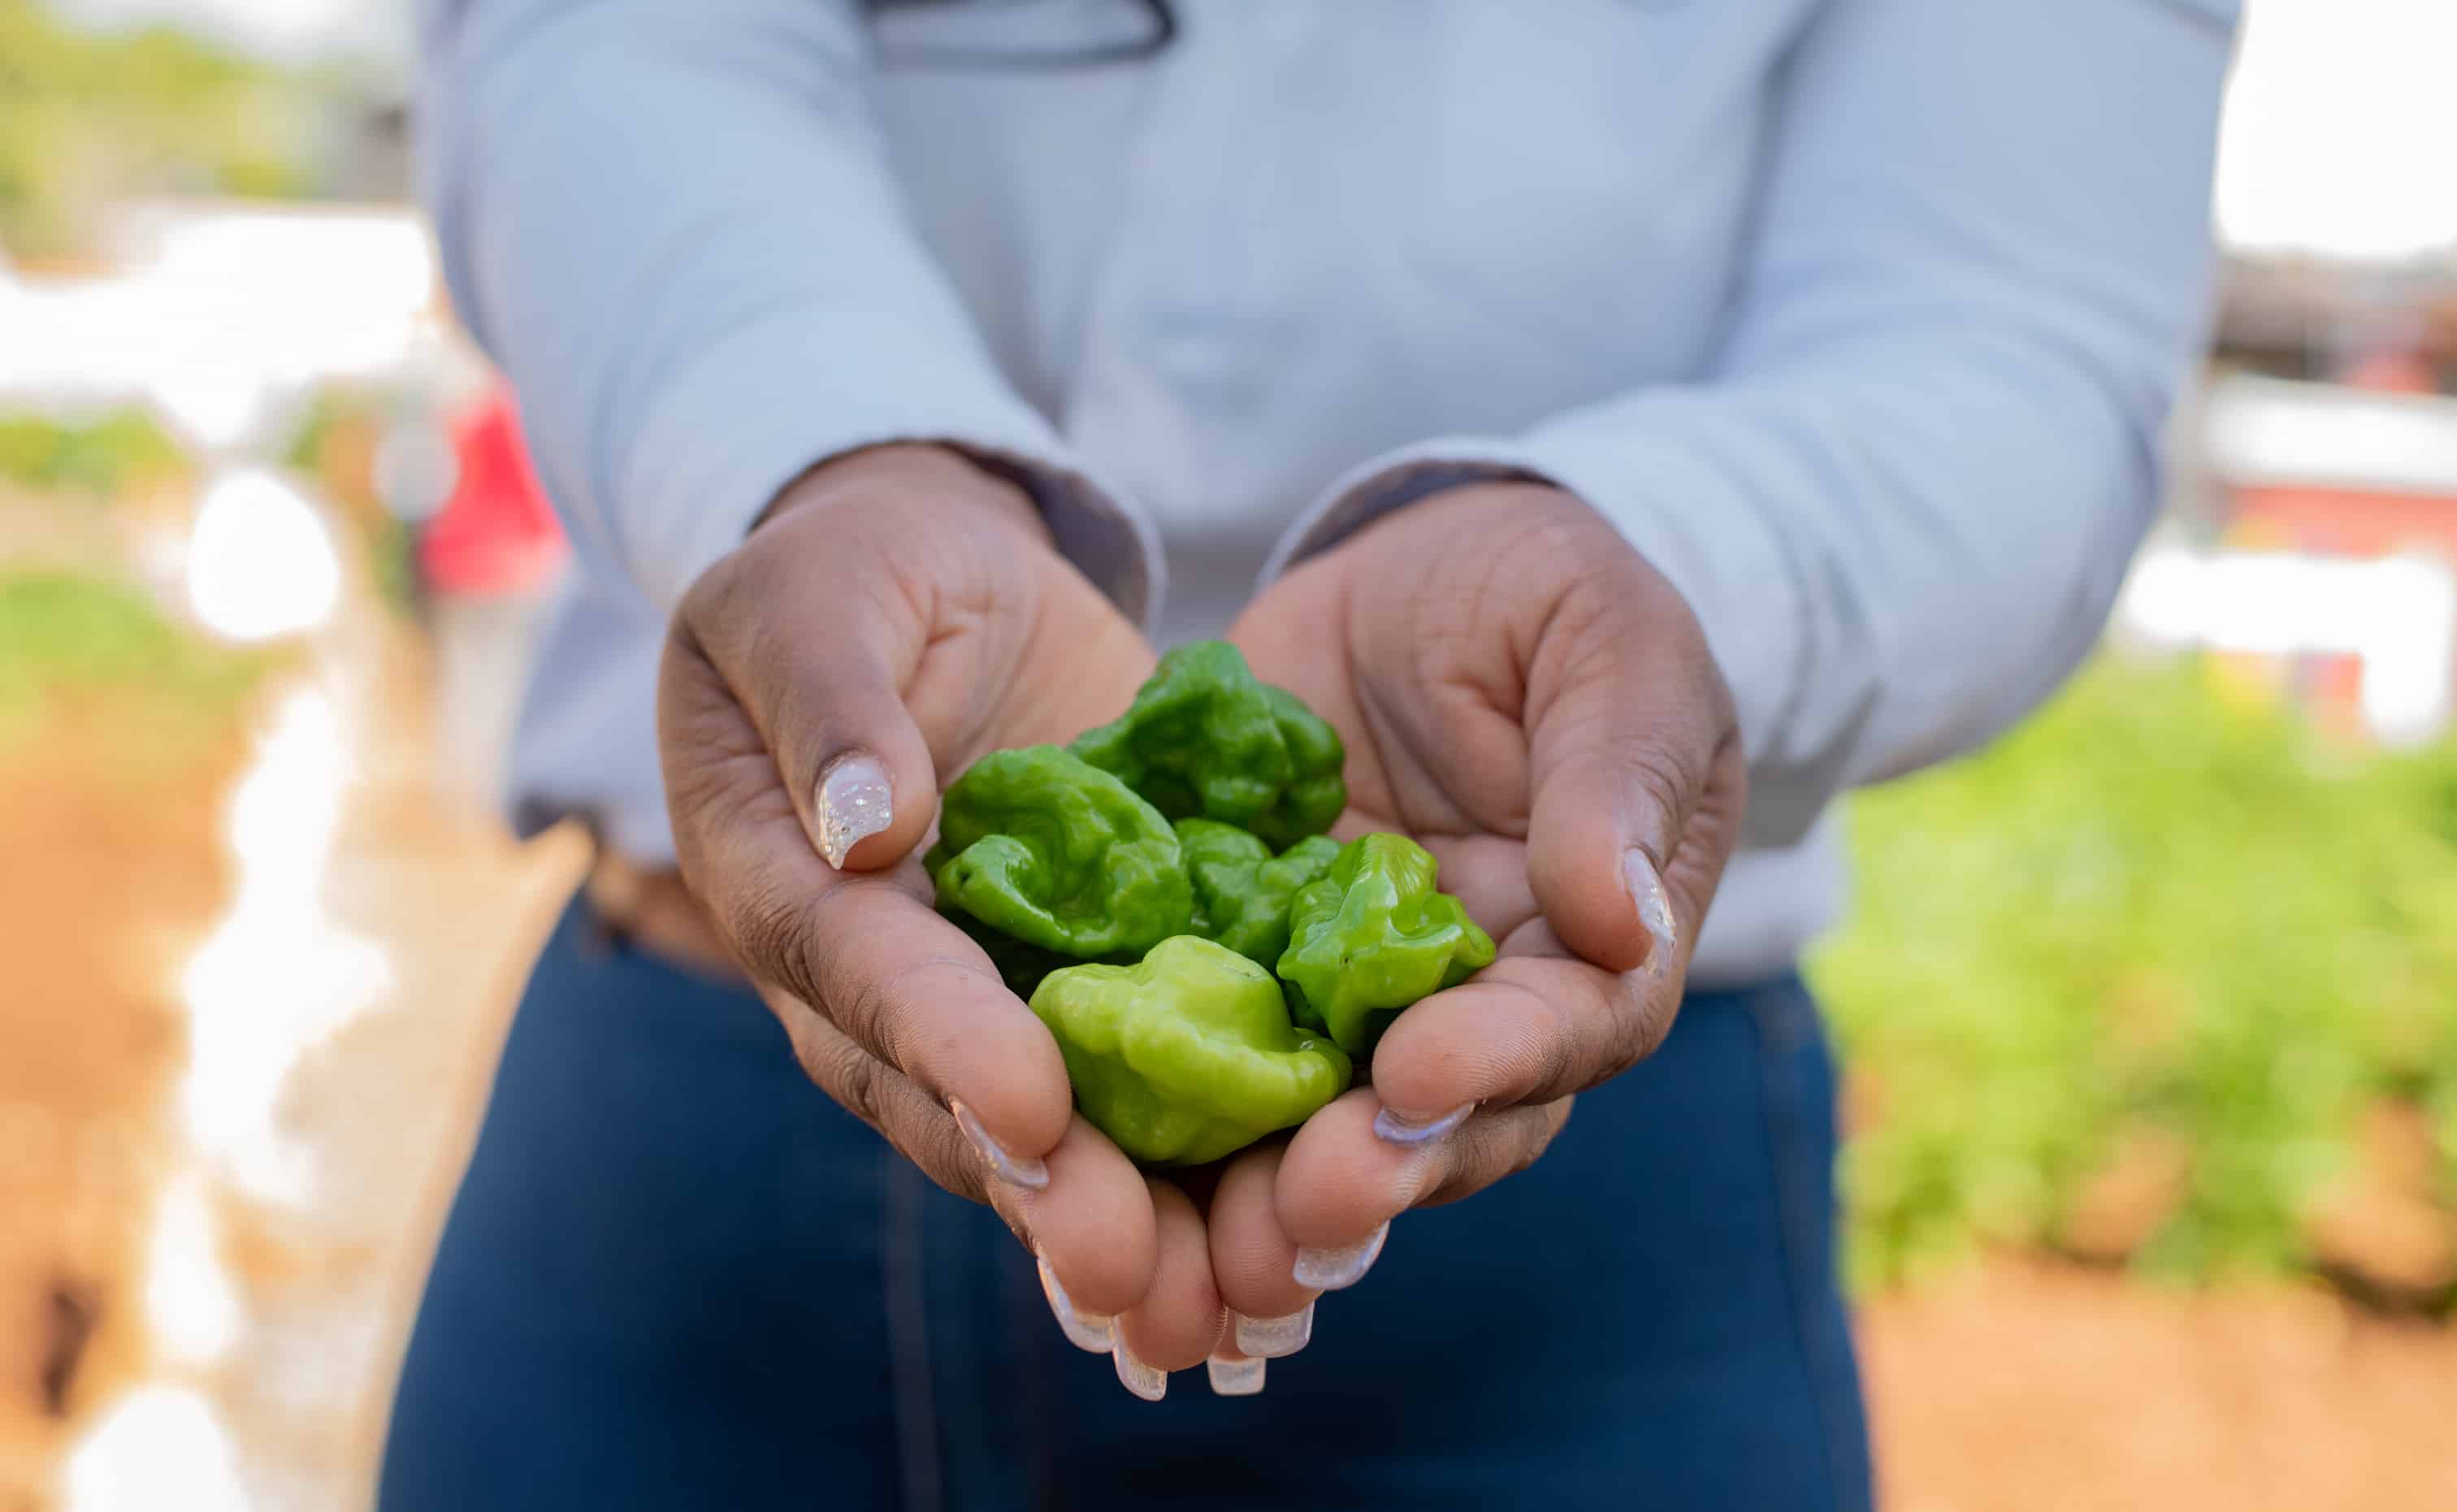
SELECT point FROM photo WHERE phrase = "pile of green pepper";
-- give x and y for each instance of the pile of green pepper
(1165, 894)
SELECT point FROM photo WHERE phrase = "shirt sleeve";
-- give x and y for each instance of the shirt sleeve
(1903, 496)
(674, 227)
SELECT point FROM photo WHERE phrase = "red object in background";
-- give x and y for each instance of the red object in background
(2393, 370)
(2348, 521)
(496, 534)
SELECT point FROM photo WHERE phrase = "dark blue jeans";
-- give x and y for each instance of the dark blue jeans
(677, 1276)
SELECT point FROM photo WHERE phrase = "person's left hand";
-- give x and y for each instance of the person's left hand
(1524, 694)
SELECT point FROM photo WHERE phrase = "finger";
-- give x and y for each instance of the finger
(1534, 1027)
(874, 1092)
(1253, 1260)
(1339, 1185)
(864, 948)
(1178, 1321)
(816, 646)
(1487, 875)
(1627, 722)
(1091, 1227)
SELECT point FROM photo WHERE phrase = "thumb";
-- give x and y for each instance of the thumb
(1635, 772)
(817, 650)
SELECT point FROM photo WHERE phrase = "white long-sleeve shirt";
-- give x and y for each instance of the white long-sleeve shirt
(1858, 317)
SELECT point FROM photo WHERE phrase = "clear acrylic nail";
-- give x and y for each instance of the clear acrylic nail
(1093, 1332)
(1150, 1383)
(1331, 1269)
(1235, 1378)
(1654, 911)
(855, 801)
(1015, 1171)
(1394, 1127)
(1273, 1338)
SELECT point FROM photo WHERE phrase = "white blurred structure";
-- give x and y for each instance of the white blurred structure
(156, 1448)
(261, 563)
(294, 31)
(218, 316)
(2267, 431)
(2338, 120)
(2397, 617)
(2337, 516)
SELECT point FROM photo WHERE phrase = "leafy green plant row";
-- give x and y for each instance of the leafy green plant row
(94, 459)
(2158, 912)
(85, 117)
(87, 659)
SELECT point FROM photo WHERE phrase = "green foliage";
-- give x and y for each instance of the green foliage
(164, 694)
(98, 458)
(85, 116)
(2152, 908)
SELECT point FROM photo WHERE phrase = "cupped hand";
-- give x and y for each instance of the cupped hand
(898, 613)
(1524, 694)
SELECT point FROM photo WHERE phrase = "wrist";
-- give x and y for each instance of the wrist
(916, 474)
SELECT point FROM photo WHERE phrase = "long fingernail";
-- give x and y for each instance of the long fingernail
(1150, 1383)
(1015, 1171)
(1394, 1127)
(1330, 1269)
(1272, 1338)
(1235, 1378)
(854, 802)
(1654, 910)
(1093, 1332)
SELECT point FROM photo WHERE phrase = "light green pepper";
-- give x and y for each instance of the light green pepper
(1061, 855)
(1205, 740)
(1187, 1055)
(1241, 891)
(1372, 936)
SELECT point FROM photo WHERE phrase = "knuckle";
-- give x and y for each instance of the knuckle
(1668, 778)
(1642, 1019)
(1555, 1058)
(1547, 1126)
(850, 1075)
(1558, 536)
(715, 599)
(873, 1011)
(772, 930)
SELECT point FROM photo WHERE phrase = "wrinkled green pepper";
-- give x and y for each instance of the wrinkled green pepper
(1187, 1055)
(1372, 936)
(1057, 853)
(1019, 966)
(1240, 890)
(1205, 739)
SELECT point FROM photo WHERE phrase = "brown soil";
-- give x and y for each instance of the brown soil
(2025, 1386)
(104, 892)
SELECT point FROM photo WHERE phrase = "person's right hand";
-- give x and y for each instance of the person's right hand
(898, 613)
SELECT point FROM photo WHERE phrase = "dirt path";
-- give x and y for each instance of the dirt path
(2026, 1387)
(251, 1006)
(103, 897)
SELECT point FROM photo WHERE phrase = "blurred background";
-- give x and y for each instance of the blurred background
(2149, 1013)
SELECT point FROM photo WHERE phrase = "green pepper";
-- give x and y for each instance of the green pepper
(1057, 853)
(1205, 740)
(1241, 891)
(1187, 1055)
(1372, 936)
(1019, 966)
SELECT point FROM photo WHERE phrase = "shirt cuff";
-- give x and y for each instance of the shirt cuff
(1725, 563)
(747, 416)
